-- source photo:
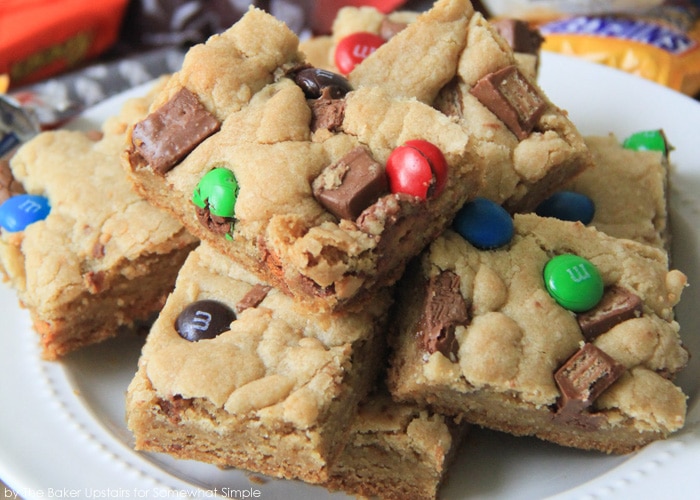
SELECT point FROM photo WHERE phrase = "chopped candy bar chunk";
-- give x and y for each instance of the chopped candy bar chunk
(444, 309)
(584, 377)
(352, 184)
(169, 133)
(616, 306)
(512, 98)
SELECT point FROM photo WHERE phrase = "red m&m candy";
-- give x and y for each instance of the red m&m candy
(354, 49)
(417, 168)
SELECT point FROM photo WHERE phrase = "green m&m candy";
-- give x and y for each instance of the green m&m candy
(217, 192)
(647, 140)
(574, 282)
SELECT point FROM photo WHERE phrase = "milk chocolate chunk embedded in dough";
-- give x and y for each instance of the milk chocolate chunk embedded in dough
(617, 305)
(444, 309)
(352, 184)
(584, 377)
(509, 95)
(519, 35)
(171, 132)
(254, 297)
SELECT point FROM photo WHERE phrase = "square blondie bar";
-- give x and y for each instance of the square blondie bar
(310, 206)
(233, 374)
(488, 335)
(103, 258)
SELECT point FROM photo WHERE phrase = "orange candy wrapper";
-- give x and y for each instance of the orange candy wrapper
(40, 38)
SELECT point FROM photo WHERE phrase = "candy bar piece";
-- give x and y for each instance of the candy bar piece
(254, 297)
(444, 309)
(519, 35)
(352, 184)
(511, 97)
(520, 333)
(616, 306)
(168, 134)
(9, 186)
(584, 377)
(103, 259)
(274, 392)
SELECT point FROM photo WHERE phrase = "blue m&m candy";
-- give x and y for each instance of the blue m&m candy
(19, 211)
(569, 206)
(484, 223)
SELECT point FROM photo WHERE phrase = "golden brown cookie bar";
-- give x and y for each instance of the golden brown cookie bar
(288, 155)
(397, 451)
(258, 386)
(525, 143)
(320, 50)
(103, 258)
(481, 335)
(629, 189)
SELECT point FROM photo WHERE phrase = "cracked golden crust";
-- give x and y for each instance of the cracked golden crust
(81, 271)
(276, 372)
(518, 336)
(266, 141)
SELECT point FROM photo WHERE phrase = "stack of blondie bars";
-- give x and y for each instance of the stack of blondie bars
(374, 270)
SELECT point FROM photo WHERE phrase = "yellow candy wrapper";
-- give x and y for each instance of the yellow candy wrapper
(661, 44)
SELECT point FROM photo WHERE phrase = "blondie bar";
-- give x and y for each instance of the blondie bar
(564, 333)
(233, 374)
(328, 196)
(103, 258)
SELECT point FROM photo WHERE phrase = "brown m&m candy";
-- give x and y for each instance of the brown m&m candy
(204, 319)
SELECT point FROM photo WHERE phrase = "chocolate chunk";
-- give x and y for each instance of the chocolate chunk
(617, 305)
(388, 29)
(509, 95)
(444, 308)
(9, 186)
(327, 113)
(352, 184)
(204, 319)
(253, 298)
(519, 35)
(584, 377)
(171, 132)
(214, 223)
(313, 81)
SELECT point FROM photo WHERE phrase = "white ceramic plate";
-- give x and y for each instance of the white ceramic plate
(62, 431)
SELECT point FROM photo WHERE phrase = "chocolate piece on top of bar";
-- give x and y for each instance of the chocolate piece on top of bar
(352, 184)
(617, 305)
(584, 377)
(168, 134)
(519, 35)
(444, 309)
(509, 95)
(253, 298)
